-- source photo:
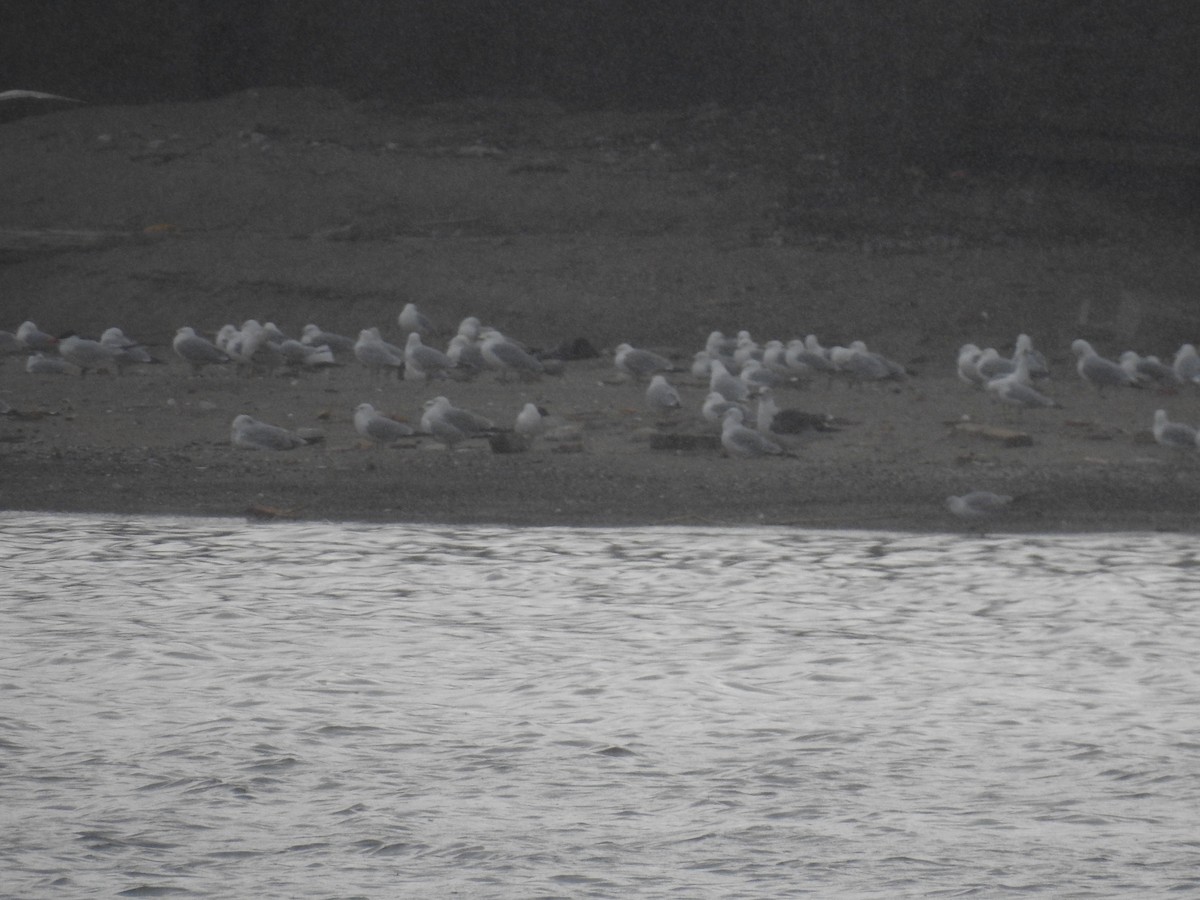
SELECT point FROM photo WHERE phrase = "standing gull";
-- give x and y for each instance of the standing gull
(412, 320)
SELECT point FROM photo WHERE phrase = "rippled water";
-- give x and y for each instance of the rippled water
(218, 708)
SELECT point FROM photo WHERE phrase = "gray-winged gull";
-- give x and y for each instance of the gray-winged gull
(196, 351)
(377, 354)
(1098, 371)
(452, 425)
(743, 442)
(33, 338)
(640, 363)
(87, 355)
(375, 426)
(661, 395)
(1173, 434)
(422, 362)
(978, 505)
(248, 433)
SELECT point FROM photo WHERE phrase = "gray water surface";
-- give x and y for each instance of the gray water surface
(225, 709)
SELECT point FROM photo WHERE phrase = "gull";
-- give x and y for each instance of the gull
(978, 504)
(298, 355)
(1016, 389)
(1098, 371)
(728, 386)
(87, 355)
(531, 421)
(758, 377)
(422, 362)
(701, 365)
(991, 364)
(1037, 362)
(808, 355)
(33, 338)
(718, 345)
(1146, 369)
(377, 354)
(505, 355)
(859, 364)
(249, 346)
(273, 333)
(746, 349)
(743, 442)
(775, 358)
(889, 368)
(788, 426)
(126, 352)
(412, 320)
(465, 355)
(377, 427)
(640, 363)
(41, 364)
(661, 395)
(968, 365)
(1186, 364)
(1173, 434)
(315, 336)
(715, 406)
(470, 328)
(196, 351)
(451, 425)
(247, 433)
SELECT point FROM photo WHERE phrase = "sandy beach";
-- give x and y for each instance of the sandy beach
(298, 206)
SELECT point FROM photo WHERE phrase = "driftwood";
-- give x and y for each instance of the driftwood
(1005, 436)
(21, 243)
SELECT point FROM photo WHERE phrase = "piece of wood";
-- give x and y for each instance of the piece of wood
(1005, 436)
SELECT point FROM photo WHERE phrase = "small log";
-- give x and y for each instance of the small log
(1005, 436)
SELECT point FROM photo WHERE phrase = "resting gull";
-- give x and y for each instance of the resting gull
(504, 355)
(377, 354)
(33, 338)
(248, 433)
(1173, 434)
(196, 351)
(978, 505)
(452, 425)
(743, 442)
(661, 395)
(422, 363)
(375, 426)
(640, 363)
(87, 355)
(1098, 371)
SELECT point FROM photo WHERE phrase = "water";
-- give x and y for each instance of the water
(218, 708)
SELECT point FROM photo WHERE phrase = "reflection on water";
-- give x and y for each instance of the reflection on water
(225, 709)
